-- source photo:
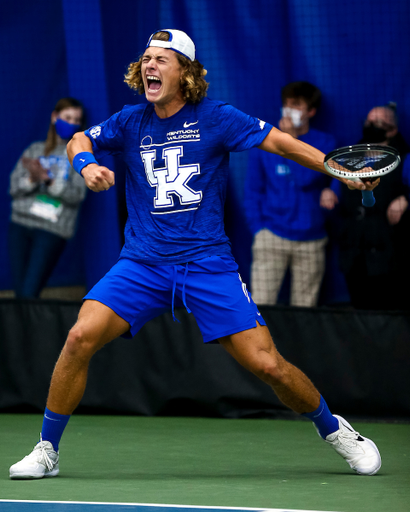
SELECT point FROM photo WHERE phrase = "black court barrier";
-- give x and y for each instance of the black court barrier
(359, 361)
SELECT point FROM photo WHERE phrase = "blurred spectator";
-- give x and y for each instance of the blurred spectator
(373, 246)
(46, 193)
(282, 208)
(403, 201)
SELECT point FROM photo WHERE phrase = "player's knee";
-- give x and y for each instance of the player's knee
(272, 371)
(79, 343)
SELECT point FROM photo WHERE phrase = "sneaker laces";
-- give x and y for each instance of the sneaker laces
(348, 438)
(44, 457)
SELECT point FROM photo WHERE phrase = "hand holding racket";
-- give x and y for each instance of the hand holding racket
(362, 162)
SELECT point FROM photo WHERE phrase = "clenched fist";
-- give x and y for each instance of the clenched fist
(98, 178)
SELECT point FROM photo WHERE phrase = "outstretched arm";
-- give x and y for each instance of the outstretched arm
(285, 145)
(96, 177)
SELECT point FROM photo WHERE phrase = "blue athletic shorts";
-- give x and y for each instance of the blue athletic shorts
(210, 288)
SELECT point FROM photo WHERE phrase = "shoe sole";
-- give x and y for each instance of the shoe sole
(25, 476)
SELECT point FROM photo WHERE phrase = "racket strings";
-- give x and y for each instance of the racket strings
(352, 161)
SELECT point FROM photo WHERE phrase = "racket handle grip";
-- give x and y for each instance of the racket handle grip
(368, 199)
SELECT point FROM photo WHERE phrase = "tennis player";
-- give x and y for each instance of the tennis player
(176, 149)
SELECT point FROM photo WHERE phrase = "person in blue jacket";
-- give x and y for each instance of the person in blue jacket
(282, 205)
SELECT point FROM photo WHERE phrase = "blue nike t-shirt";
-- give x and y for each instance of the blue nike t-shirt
(177, 171)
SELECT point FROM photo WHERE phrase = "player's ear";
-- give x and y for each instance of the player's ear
(54, 116)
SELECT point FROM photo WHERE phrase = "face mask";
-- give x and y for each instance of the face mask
(373, 134)
(66, 130)
(294, 114)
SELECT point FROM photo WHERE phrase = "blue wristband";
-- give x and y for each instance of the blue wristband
(81, 160)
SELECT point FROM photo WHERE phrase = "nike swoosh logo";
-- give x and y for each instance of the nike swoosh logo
(82, 160)
(52, 419)
(187, 125)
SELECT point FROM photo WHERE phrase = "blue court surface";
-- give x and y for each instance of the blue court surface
(77, 506)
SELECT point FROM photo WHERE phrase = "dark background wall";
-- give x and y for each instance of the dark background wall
(358, 360)
(356, 52)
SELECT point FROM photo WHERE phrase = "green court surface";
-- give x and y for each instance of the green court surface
(208, 462)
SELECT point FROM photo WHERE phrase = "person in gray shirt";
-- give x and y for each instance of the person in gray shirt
(47, 194)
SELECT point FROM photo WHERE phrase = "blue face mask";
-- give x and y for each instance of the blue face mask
(66, 130)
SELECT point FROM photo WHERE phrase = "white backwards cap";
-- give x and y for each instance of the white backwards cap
(178, 41)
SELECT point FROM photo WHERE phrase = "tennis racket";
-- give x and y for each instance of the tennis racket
(362, 162)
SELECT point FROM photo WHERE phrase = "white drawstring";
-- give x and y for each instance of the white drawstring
(174, 286)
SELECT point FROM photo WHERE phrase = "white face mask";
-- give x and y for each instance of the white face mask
(294, 114)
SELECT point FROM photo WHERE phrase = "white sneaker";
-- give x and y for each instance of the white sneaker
(359, 452)
(42, 462)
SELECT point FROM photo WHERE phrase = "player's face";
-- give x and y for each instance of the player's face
(161, 74)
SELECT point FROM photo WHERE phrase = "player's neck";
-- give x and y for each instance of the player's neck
(169, 109)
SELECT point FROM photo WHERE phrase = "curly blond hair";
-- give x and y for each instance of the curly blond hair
(193, 84)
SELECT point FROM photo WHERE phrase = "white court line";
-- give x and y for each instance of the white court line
(163, 505)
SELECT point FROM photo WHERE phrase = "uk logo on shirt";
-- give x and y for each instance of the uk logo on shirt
(171, 181)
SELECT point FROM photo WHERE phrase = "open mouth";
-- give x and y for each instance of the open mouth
(154, 83)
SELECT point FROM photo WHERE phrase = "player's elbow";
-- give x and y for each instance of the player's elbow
(72, 143)
(76, 138)
(79, 142)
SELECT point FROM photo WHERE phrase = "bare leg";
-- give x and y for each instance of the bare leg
(254, 349)
(96, 325)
